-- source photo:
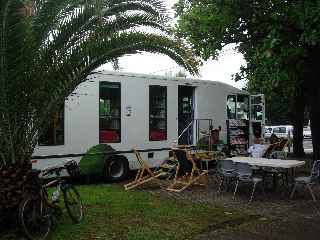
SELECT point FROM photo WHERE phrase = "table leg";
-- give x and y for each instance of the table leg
(275, 181)
(292, 175)
(287, 177)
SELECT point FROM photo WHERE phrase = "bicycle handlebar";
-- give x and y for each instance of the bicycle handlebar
(52, 169)
(57, 169)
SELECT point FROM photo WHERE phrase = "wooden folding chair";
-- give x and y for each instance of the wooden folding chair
(278, 151)
(187, 172)
(282, 144)
(144, 174)
(269, 150)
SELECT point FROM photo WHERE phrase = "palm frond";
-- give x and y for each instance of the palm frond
(48, 47)
(46, 17)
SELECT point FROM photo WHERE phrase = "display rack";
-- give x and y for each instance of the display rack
(238, 135)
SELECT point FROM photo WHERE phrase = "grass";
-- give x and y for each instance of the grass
(112, 213)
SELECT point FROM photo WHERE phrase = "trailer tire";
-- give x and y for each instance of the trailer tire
(116, 169)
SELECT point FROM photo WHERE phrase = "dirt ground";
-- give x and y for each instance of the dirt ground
(273, 215)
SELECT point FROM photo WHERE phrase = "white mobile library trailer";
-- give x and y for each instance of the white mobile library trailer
(146, 112)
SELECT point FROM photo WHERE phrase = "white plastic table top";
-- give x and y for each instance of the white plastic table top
(266, 162)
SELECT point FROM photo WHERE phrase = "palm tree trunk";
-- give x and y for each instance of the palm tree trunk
(14, 184)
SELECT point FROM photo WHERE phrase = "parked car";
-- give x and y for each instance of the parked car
(285, 131)
(268, 131)
(307, 132)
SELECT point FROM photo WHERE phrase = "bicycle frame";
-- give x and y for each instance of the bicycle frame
(44, 207)
(59, 183)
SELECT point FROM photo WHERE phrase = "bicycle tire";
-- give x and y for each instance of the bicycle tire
(73, 203)
(34, 218)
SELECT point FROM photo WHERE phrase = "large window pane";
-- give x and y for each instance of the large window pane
(231, 107)
(157, 113)
(256, 112)
(54, 135)
(110, 112)
(257, 107)
(242, 107)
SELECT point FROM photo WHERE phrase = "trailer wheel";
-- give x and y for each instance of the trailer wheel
(116, 169)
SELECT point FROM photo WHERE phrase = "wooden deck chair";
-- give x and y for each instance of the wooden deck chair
(279, 149)
(187, 172)
(277, 152)
(282, 144)
(144, 174)
(169, 166)
(269, 150)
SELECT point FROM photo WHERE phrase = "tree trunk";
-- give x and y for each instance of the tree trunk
(312, 86)
(315, 125)
(298, 121)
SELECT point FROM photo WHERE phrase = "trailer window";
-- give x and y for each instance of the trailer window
(110, 112)
(231, 107)
(157, 113)
(242, 107)
(257, 109)
(54, 134)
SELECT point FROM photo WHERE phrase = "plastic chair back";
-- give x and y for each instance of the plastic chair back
(226, 165)
(243, 169)
(315, 172)
(226, 168)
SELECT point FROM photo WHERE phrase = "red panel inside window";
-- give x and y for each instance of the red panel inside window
(108, 136)
(158, 135)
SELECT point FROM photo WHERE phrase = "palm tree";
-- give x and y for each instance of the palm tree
(48, 47)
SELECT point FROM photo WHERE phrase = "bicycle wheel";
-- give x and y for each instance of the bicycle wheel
(73, 203)
(34, 218)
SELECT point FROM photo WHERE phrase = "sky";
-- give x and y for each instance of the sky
(221, 69)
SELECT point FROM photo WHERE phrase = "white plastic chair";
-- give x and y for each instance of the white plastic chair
(308, 181)
(244, 174)
(226, 169)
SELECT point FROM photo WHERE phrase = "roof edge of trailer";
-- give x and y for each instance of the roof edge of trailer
(166, 78)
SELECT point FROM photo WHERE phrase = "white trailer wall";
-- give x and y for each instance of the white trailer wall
(82, 114)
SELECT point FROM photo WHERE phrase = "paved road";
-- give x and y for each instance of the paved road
(307, 144)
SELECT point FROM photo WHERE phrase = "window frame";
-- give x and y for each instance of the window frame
(120, 109)
(166, 112)
(63, 129)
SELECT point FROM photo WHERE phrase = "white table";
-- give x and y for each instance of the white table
(273, 163)
(266, 162)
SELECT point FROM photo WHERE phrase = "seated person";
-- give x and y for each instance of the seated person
(257, 149)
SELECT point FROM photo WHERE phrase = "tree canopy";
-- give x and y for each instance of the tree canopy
(279, 40)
